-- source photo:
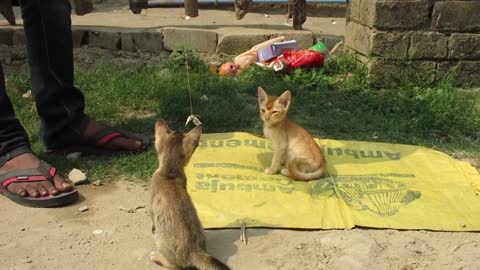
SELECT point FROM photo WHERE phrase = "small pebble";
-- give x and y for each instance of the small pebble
(97, 183)
(28, 94)
(77, 177)
(97, 232)
(83, 208)
(74, 156)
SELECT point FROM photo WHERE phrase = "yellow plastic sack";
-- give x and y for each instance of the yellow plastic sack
(368, 184)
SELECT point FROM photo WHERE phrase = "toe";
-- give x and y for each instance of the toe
(32, 191)
(62, 185)
(41, 189)
(48, 186)
(17, 189)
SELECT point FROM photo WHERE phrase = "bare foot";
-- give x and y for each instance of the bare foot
(33, 189)
(120, 143)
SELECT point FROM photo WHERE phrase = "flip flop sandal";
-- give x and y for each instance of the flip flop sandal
(95, 143)
(44, 172)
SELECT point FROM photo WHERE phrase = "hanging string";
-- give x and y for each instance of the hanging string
(188, 80)
(191, 117)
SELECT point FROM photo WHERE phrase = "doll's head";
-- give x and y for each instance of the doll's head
(228, 69)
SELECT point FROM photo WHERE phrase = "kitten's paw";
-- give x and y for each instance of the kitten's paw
(285, 172)
(269, 171)
(159, 259)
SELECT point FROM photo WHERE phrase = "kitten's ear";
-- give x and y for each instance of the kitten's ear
(285, 99)
(262, 95)
(194, 135)
(161, 127)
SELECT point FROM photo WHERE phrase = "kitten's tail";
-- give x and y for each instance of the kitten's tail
(203, 261)
(295, 172)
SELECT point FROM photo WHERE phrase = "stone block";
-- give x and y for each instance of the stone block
(18, 38)
(390, 45)
(104, 39)
(358, 38)
(353, 10)
(464, 73)
(456, 16)
(82, 7)
(304, 39)
(464, 46)
(329, 40)
(387, 73)
(428, 45)
(367, 12)
(235, 43)
(405, 14)
(6, 36)
(79, 37)
(150, 41)
(200, 40)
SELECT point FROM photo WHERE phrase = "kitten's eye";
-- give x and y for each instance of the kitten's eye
(263, 110)
(274, 112)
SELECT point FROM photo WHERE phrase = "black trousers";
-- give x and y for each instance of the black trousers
(60, 105)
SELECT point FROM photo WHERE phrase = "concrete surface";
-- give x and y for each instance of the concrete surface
(115, 19)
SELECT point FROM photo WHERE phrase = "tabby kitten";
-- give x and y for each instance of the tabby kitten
(294, 146)
(176, 228)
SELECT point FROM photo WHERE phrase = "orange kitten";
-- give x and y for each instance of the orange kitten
(294, 146)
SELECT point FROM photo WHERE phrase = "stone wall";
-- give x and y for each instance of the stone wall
(171, 38)
(428, 37)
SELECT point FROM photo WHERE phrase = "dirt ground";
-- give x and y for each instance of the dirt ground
(108, 236)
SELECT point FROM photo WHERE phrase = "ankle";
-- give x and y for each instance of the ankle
(14, 153)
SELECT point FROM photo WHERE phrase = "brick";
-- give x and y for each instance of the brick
(406, 14)
(200, 40)
(358, 38)
(150, 41)
(464, 46)
(458, 16)
(387, 73)
(465, 73)
(104, 39)
(390, 45)
(428, 45)
(6, 36)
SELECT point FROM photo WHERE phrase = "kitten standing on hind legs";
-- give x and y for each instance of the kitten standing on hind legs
(176, 228)
(294, 146)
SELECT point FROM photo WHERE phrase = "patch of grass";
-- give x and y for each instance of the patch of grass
(335, 102)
